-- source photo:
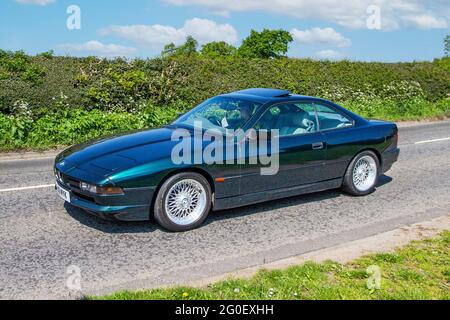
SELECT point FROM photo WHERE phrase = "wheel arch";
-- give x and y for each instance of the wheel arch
(200, 171)
(375, 151)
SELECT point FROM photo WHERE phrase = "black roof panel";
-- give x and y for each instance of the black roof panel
(265, 93)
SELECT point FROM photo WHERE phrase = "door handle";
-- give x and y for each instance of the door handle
(317, 145)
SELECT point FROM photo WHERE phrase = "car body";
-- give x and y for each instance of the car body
(120, 176)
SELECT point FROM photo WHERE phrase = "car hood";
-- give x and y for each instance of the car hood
(105, 156)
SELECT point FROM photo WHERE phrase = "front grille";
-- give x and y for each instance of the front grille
(68, 181)
(74, 186)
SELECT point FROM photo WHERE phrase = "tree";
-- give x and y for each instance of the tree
(217, 49)
(169, 49)
(189, 47)
(186, 49)
(447, 45)
(266, 44)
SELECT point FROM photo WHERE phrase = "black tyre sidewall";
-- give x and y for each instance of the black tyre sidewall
(348, 184)
(159, 211)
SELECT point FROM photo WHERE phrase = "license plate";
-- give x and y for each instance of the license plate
(63, 193)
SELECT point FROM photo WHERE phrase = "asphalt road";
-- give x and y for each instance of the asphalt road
(40, 236)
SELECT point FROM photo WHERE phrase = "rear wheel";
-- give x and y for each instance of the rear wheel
(183, 202)
(362, 174)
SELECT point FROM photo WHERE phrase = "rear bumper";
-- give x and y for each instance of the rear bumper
(133, 205)
(389, 158)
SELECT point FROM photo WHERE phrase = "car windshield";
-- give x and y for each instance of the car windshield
(223, 113)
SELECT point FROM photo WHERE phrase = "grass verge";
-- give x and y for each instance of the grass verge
(420, 270)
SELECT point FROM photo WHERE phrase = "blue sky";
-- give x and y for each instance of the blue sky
(395, 30)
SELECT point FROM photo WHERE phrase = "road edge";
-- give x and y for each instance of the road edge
(29, 155)
(343, 253)
(420, 123)
(386, 241)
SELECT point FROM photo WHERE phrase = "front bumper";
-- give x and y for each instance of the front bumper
(133, 205)
(388, 158)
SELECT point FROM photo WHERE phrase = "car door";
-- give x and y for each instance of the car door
(302, 149)
(338, 130)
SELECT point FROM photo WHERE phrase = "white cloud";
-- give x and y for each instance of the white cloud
(325, 36)
(156, 36)
(352, 14)
(36, 2)
(426, 22)
(98, 48)
(329, 55)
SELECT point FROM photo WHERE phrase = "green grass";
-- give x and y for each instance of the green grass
(420, 270)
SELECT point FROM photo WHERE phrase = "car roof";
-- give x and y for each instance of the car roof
(264, 95)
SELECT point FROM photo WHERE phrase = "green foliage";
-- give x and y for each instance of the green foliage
(67, 126)
(217, 49)
(76, 125)
(266, 44)
(447, 45)
(40, 87)
(17, 65)
(47, 54)
(187, 49)
(121, 85)
(33, 74)
(444, 63)
(169, 50)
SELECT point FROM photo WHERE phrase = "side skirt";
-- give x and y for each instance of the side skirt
(252, 198)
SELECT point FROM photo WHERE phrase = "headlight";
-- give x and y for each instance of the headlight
(100, 190)
(88, 187)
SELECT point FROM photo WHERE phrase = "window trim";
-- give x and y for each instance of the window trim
(259, 106)
(313, 103)
(291, 102)
(338, 112)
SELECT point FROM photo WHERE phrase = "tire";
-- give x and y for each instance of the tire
(362, 174)
(183, 202)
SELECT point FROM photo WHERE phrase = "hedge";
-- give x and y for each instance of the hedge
(46, 83)
(47, 101)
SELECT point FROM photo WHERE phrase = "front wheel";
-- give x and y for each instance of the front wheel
(362, 174)
(183, 202)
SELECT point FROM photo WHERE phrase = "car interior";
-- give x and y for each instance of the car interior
(289, 119)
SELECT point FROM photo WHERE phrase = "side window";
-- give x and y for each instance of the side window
(289, 119)
(329, 118)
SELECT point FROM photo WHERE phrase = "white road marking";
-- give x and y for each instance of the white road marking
(52, 185)
(434, 140)
(28, 188)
